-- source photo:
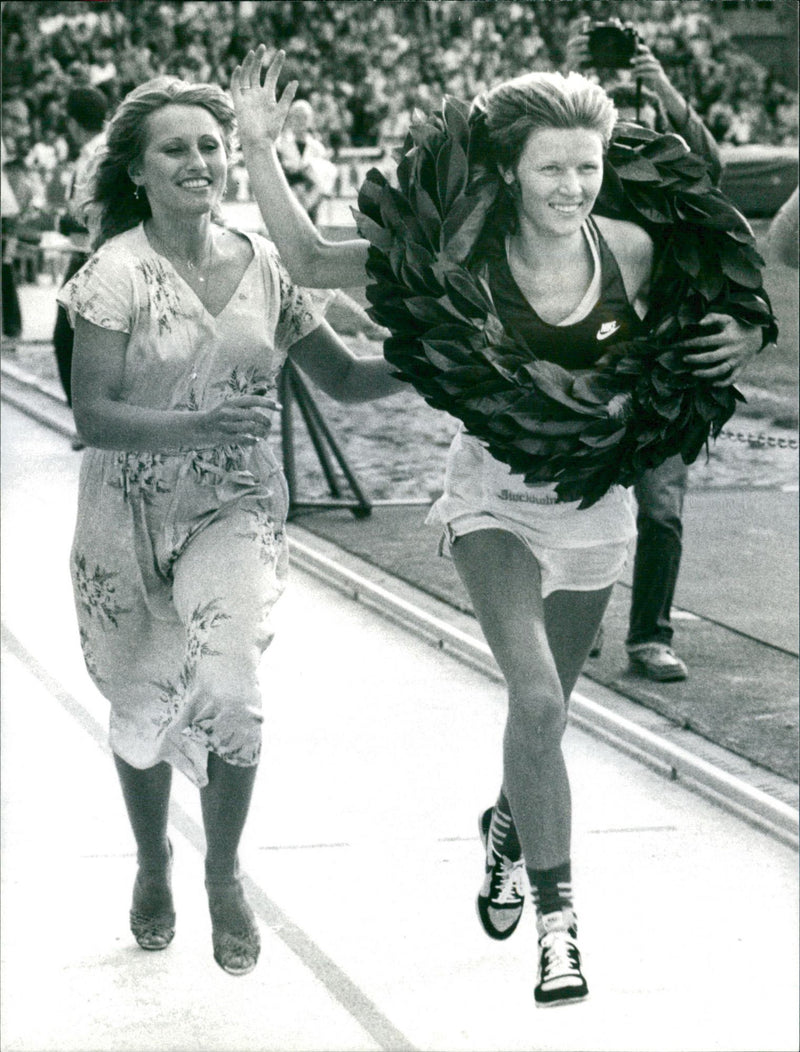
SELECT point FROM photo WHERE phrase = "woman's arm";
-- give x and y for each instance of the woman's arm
(782, 243)
(105, 422)
(343, 375)
(310, 259)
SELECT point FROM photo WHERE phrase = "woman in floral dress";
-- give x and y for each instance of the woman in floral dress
(182, 327)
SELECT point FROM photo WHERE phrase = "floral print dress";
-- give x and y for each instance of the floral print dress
(178, 558)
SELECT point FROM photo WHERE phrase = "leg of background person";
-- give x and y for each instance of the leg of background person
(63, 335)
(12, 314)
(146, 794)
(660, 493)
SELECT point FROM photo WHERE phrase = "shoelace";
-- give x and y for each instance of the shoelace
(509, 882)
(559, 956)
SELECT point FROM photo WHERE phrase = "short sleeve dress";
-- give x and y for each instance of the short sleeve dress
(178, 558)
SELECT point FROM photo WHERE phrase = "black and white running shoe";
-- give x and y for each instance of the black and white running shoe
(502, 893)
(560, 980)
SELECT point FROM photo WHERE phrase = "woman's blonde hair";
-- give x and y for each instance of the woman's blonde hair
(120, 207)
(539, 101)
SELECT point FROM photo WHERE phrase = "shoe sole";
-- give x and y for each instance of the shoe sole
(562, 1002)
(657, 677)
(236, 971)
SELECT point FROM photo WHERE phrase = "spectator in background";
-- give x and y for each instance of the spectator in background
(304, 159)
(375, 55)
(660, 492)
(12, 316)
(85, 119)
(79, 74)
(17, 197)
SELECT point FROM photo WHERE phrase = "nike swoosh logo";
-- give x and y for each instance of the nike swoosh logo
(608, 328)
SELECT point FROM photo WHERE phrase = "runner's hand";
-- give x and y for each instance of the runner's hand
(261, 115)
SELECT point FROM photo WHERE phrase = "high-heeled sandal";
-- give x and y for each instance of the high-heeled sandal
(153, 928)
(234, 930)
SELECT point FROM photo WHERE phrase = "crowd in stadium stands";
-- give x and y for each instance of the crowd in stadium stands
(364, 66)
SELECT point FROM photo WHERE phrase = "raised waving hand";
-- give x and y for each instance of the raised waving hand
(310, 259)
(260, 113)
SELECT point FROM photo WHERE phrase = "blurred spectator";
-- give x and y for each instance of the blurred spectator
(372, 63)
(304, 159)
(12, 315)
(85, 119)
(17, 197)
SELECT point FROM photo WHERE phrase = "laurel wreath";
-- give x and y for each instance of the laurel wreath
(641, 403)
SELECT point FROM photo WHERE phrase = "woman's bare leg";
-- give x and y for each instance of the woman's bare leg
(503, 579)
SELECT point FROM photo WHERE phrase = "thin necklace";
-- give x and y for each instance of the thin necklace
(196, 269)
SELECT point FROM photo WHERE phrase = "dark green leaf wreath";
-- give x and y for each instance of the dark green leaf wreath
(641, 403)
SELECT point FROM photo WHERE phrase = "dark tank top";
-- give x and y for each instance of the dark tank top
(576, 346)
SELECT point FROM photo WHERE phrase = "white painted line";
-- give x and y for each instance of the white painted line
(22, 376)
(41, 416)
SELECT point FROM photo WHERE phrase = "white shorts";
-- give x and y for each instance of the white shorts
(562, 569)
(578, 550)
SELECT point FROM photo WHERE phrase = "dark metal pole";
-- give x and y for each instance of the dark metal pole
(304, 396)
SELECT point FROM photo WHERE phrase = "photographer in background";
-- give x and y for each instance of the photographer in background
(644, 95)
(607, 49)
(85, 119)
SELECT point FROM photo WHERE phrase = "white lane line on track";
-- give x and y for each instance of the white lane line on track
(327, 972)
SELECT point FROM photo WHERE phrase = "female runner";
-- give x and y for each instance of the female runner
(539, 571)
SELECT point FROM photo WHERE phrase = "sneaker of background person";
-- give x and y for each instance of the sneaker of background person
(502, 893)
(560, 980)
(657, 661)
